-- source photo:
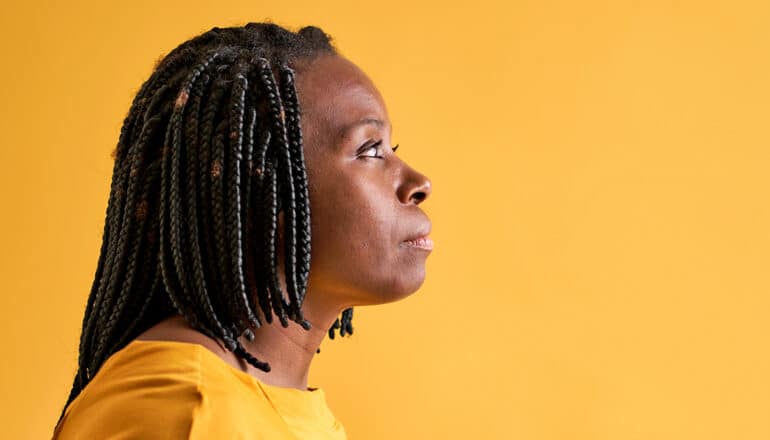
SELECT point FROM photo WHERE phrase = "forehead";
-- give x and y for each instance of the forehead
(334, 94)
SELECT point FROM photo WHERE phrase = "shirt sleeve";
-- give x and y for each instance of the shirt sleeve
(169, 410)
(169, 391)
(164, 410)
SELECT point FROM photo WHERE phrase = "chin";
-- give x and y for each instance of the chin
(402, 285)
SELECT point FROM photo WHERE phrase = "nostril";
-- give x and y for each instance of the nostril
(418, 197)
(414, 189)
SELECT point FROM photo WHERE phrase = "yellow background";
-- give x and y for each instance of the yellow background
(600, 209)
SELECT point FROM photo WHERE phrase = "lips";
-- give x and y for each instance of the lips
(422, 231)
(420, 239)
(421, 242)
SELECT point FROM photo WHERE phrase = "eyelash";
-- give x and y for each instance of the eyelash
(375, 145)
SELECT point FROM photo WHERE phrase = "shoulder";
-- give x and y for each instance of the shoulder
(176, 329)
(139, 390)
(160, 389)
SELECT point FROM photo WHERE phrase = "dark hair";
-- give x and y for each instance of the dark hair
(209, 154)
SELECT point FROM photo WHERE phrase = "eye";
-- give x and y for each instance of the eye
(374, 147)
(369, 148)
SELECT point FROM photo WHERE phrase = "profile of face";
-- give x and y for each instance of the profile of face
(364, 199)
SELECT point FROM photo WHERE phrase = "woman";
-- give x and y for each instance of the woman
(235, 139)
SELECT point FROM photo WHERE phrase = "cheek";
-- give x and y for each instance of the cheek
(356, 223)
(356, 258)
(354, 238)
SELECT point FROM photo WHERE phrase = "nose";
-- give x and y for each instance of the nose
(415, 188)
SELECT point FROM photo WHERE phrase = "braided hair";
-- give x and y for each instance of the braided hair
(209, 154)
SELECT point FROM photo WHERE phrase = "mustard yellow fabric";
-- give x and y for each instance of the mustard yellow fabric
(179, 390)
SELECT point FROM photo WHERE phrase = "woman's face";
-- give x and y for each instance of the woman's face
(363, 208)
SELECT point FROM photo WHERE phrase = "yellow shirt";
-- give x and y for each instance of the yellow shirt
(180, 390)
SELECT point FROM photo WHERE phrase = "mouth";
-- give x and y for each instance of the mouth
(420, 239)
(423, 242)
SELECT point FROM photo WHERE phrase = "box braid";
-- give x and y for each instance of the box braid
(209, 154)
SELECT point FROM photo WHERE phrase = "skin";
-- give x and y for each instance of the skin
(363, 208)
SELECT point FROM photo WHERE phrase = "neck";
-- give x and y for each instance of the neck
(290, 350)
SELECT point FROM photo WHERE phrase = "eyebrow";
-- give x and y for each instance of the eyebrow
(365, 121)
